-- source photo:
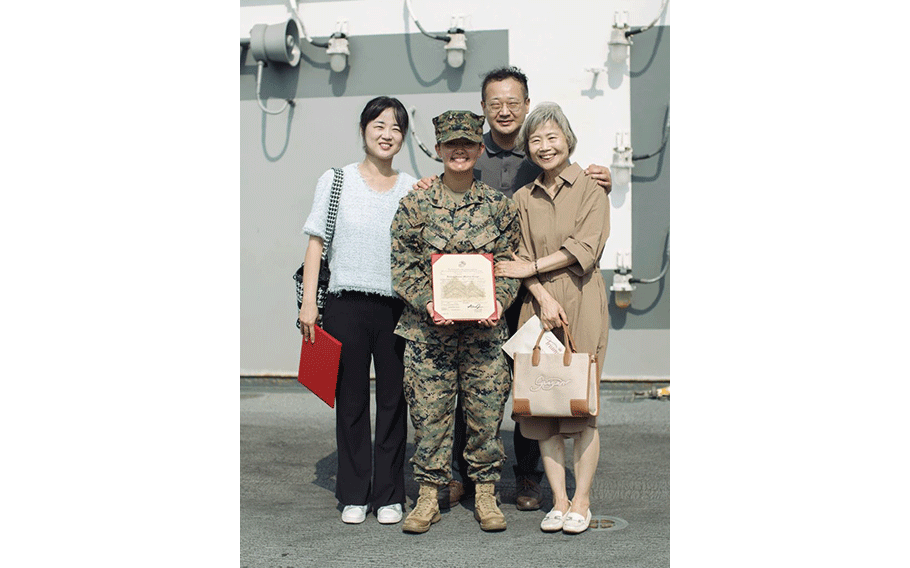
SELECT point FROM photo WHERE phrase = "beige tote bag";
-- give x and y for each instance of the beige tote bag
(556, 384)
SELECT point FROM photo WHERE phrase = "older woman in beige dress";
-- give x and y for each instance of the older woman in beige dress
(565, 221)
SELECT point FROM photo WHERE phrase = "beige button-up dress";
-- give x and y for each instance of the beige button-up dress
(577, 219)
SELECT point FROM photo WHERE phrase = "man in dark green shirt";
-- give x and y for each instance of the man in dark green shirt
(506, 170)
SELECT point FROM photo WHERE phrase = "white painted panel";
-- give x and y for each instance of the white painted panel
(391, 16)
(271, 14)
(555, 44)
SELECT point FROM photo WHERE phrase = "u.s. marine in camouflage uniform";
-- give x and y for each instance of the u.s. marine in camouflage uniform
(442, 358)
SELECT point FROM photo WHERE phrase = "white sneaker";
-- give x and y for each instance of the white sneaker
(390, 514)
(354, 514)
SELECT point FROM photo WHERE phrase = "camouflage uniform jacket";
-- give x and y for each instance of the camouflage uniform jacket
(428, 221)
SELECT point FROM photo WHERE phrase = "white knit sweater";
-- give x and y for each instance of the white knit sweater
(362, 245)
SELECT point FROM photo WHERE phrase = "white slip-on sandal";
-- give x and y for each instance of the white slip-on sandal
(554, 520)
(575, 523)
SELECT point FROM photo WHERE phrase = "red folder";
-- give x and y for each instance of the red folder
(318, 369)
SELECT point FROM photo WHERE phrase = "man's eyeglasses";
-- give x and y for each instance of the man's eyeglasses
(496, 105)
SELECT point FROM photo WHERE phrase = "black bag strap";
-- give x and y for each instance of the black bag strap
(337, 182)
(332, 214)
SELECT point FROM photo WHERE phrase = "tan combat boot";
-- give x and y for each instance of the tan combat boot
(425, 511)
(485, 509)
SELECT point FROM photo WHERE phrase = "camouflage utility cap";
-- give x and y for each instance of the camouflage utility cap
(455, 124)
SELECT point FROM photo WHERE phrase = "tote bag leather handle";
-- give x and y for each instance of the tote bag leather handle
(567, 354)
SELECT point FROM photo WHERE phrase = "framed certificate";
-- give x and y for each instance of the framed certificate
(463, 286)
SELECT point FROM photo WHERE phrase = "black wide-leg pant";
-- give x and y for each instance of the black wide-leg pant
(364, 324)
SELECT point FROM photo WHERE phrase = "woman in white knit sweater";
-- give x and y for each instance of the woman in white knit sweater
(361, 311)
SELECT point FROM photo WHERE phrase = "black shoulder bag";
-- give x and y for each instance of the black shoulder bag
(323, 283)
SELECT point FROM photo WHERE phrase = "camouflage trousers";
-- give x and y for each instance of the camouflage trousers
(434, 374)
